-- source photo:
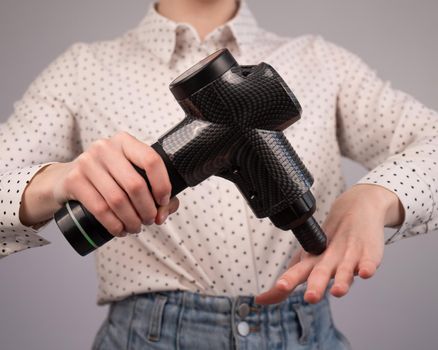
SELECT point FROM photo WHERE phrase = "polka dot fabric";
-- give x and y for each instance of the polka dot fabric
(213, 244)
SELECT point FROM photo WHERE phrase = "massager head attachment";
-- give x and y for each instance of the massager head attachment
(201, 74)
(222, 92)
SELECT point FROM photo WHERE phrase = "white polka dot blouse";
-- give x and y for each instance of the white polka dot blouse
(214, 244)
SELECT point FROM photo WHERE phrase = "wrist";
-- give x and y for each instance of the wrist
(387, 202)
(37, 202)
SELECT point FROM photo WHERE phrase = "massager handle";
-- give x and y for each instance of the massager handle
(81, 228)
(276, 184)
(297, 217)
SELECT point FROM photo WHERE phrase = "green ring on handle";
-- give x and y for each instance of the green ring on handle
(78, 225)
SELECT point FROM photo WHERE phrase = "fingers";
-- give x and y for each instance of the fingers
(294, 276)
(346, 255)
(286, 284)
(107, 165)
(132, 183)
(114, 196)
(272, 296)
(344, 275)
(325, 265)
(319, 279)
(165, 211)
(146, 158)
(361, 258)
(354, 227)
(367, 268)
(372, 254)
(96, 204)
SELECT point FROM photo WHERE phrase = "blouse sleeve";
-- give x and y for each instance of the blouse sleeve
(41, 130)
(394, 136)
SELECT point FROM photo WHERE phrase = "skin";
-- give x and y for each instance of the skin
(203, 15)
(102, 179)
(354, 227)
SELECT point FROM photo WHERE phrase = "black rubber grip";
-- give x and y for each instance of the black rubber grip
(311, 237)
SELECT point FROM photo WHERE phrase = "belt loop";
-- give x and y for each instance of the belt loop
(182, 304)
(234, 301)
(304, 321)
(156, 317)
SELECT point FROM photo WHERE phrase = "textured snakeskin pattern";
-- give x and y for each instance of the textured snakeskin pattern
(233, 129)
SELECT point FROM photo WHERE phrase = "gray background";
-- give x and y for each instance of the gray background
(47, 295)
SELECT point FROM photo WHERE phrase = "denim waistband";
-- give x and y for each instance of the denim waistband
(186, 320)
(226, 304)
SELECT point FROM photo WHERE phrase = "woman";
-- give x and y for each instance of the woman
(189, 281)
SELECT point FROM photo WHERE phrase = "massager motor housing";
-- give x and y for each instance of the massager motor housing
(235, 117)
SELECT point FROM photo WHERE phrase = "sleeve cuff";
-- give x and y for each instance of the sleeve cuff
(14, 236)
(414, 194)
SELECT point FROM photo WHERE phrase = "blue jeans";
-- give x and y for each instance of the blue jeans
(190, 321)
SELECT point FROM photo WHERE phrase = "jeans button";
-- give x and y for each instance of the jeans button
(243, 310)
(243, 328)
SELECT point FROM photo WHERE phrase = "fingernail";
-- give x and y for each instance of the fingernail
(165, 200)
(150, 222)
(341, 286)
(310, 294)
(172, 210)
(163, 216)
(282, 283)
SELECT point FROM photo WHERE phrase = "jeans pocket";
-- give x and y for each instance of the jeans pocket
(305, 322)
(156, 318)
